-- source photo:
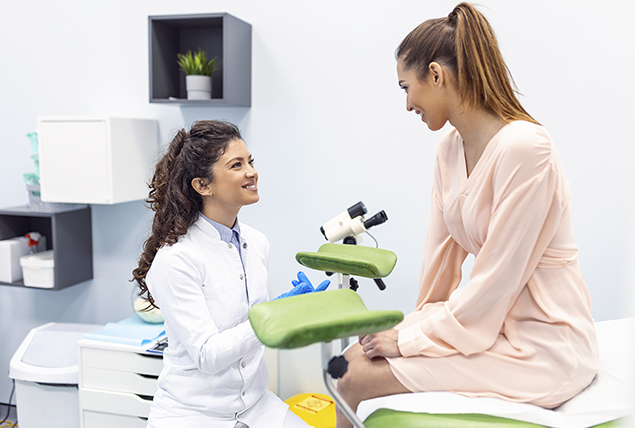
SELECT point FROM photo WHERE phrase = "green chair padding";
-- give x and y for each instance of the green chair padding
(385, 418)
(367, 262)
(298, 321)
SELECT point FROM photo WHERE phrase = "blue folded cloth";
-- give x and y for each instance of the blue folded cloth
(130, 331)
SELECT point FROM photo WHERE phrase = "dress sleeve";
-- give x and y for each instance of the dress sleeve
(177, 286)
(525, 215)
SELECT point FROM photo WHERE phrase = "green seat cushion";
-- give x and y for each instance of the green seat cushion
(385, 418)
(356, 260)
(297, 321)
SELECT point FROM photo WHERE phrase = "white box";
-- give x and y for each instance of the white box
(38, 269)
(10, 252)
(96, 160)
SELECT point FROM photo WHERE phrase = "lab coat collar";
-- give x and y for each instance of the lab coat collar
(225, 232)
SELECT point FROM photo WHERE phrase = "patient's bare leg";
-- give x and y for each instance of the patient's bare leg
(365, 379)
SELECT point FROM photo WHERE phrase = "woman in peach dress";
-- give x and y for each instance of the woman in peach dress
(521, 328)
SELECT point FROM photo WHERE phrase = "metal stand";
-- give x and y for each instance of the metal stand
(327, 355)
(343, 279)
(327, 348)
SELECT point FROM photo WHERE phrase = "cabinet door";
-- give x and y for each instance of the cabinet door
(74, 161)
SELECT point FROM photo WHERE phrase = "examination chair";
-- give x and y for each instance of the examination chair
(299, 321)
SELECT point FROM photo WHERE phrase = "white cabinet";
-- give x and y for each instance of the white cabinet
(116, 384)
(96, 160)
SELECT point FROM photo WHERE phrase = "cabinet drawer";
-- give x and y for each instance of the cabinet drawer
(109, 420)
(119, 381)
(121, 361)
(114, 402)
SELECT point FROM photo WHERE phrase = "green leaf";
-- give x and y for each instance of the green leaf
(196, 64)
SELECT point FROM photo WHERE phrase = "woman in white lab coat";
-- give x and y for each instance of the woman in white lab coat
(205, 270)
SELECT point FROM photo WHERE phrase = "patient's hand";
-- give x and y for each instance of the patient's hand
(382, 344)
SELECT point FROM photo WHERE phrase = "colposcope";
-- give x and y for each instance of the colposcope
(347, 225)
(351, 223)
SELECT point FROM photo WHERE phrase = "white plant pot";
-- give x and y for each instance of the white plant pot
(198, 87)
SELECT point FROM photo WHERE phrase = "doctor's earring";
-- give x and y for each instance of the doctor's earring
(200, 186)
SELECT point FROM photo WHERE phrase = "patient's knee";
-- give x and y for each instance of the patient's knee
(353, 352)
(350, 383)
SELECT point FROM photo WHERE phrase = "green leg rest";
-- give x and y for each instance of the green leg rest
(299, 321)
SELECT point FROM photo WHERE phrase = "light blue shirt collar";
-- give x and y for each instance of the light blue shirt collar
(227, 235)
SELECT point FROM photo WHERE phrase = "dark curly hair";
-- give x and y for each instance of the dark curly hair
(173, 199)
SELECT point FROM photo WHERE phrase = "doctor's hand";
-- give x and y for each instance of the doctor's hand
(302, 285)
(382, 344)
(302, 279)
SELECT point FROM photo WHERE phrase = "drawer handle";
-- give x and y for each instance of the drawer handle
(155, 356)
(60, 385)
(145, 397)
(148, 376)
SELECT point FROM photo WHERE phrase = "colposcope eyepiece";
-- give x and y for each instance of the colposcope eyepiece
(378, 218)
(357, 210)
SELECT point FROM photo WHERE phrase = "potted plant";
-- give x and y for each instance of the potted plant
(198, 74)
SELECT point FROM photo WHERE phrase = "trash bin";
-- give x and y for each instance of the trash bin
(45, 372)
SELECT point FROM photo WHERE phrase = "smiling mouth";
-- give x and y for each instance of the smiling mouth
(251, 186)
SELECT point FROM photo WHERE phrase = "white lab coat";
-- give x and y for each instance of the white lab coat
(214, 373)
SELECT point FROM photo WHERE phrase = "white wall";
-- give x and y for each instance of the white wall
(328, 128)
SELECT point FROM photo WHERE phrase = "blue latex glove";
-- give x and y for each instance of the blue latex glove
(302, 278)
(302, 285)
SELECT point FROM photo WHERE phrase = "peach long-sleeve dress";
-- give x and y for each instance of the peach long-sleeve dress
(521, 328)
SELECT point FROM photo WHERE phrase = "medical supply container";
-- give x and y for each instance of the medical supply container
(45, 372)
(11, 250)
(38, 270)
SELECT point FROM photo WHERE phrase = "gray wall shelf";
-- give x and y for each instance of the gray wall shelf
(68, 234)
(221, 35)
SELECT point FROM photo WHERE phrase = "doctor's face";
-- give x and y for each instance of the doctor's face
(235, 182)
